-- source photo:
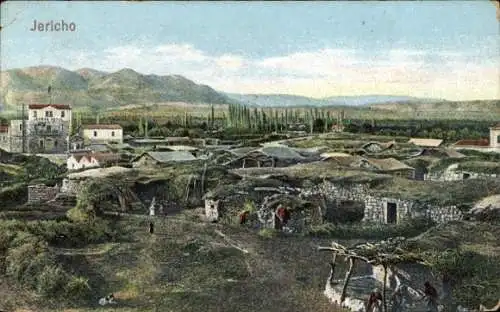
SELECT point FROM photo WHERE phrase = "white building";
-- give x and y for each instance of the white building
(495, 136)
(79, 161)
(102, 134)
(49, 112)
(46, 130)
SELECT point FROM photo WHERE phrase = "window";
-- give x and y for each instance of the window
(95, 133)
(48, 114)
(112, 133)
(48, 128)
(35, 114)
(55, 143)
(21, 127)
(498, 138)
(63, 114)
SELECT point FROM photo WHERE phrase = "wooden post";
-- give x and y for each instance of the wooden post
(347, 278)
(384, 301)
(332, 265)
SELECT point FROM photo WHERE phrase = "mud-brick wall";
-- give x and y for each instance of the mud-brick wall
(42, 193)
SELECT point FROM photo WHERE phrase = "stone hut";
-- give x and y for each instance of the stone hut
(379, 208)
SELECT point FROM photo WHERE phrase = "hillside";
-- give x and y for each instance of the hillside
(284, 100)
(86, 87)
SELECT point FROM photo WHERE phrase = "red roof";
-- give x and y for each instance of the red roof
(4, 129)
(56, 106)
(481, 142)
(102, 127)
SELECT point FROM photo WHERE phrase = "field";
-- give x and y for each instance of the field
(188, 265)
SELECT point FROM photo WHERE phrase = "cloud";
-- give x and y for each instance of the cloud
(324, 72)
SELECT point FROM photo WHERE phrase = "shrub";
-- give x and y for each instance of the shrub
(19, 260)
(76, 214)
(473, 273)
(15, 194)
(269, 233)
(77, 287)
(52, 281)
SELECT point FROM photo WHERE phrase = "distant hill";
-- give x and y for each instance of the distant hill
(88, 86)
(283, 100)
(127, 88)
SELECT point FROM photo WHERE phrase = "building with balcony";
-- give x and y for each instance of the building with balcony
(44, 129)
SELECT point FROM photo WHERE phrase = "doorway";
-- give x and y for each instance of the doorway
(392, 213)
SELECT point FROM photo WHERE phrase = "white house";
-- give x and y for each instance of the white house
(91, 160)
(102, 134)
(40, 112)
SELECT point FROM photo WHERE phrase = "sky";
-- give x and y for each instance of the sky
(433, 49)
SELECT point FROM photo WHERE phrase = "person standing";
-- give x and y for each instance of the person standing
(431, 296)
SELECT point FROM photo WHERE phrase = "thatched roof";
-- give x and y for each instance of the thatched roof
(315, 171)
(388, 164)
(165, 157)
(244, 187)
(424, 142)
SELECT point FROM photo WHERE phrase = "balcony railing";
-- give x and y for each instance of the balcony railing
(45, 132)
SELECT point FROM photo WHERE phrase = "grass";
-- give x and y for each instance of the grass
(186, 266)
(470, 252)
(480, 167)
(460, 193)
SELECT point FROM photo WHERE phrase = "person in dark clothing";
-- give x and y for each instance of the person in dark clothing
(374, 301)
(244, 217)
(283, 214)
(431, 295)
(151, 228)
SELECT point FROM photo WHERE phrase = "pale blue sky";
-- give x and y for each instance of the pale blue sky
(444, 49)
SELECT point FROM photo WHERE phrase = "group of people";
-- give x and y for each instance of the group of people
(400, 299)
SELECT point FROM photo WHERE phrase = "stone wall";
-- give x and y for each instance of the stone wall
(457, 175)
(212, 210)
(41, 193)
(376, 208)
(70, 187)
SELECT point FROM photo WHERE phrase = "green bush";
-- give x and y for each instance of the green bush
(473, 274)
(19, 260)
(269, 233)
(15, 194)
(52, 281)
(77, 287)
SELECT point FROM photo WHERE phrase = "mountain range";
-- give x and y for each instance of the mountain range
(86, 86)
(89, 87)
(284, 100)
